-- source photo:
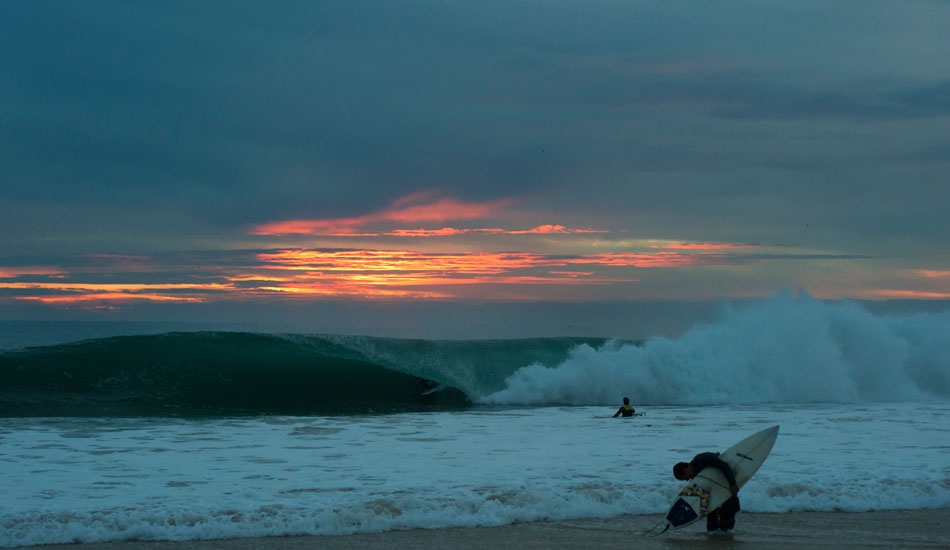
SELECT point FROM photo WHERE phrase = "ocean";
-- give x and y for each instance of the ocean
(186, 435)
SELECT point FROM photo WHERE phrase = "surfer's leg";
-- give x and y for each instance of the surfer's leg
(727, 513)
(712, 520)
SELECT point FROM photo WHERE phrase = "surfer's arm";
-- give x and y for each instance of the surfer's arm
(712, 459)
(619, 411)
(727, 471)
(721, 465)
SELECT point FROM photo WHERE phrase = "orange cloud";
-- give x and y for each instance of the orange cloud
(707, 246)
(932, 273)
(556, 229)
(888, 294)
(547, 229)
(84, 292)
(375, 273)
(419, 207)
(338, 289)
(338, 227)
(13, 272)
(574, 273)
(444, 232)
(363, 274)
(110, 296)
(465, 263)
(127, 287)
(449, 231)
(379, 260)
(481, 262)
(660, 259)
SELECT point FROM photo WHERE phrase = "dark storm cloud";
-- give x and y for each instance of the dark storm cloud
(190, 106)
(119, 119)
(746, 100)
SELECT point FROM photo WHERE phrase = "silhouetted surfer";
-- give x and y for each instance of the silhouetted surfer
(428, 386)
(626, 409)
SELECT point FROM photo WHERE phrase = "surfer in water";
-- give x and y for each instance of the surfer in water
(427, 385)
(723, 517)
(626, 409)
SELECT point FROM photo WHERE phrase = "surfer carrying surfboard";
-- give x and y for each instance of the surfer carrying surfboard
(713, 481)
(725, 516)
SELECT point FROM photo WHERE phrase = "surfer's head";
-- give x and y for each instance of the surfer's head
(683, 471)
(626, 400)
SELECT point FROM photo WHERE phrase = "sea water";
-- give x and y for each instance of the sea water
(161, 437)
(87, 479)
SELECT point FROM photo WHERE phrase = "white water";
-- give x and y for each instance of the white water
(72, 480)
(780, 350)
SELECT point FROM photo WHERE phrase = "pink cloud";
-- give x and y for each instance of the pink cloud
(444, 232)
(708, 246)
(421, 208)
(932, 273)
(449, 231)
(660, 259)
(12, 272)
(556, 229)
(415, 208)
(893, 294)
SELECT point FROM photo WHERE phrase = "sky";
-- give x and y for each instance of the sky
(386, 166)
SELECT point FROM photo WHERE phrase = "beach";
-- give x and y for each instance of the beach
(775, 531)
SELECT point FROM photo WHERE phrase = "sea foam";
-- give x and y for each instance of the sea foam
(785, 349)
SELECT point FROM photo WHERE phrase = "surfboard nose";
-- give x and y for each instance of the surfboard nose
(681, 513)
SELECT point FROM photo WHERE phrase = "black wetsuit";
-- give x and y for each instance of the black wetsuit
(626, 410)
(725, 517)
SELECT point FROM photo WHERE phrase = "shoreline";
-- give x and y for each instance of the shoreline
(791, 530)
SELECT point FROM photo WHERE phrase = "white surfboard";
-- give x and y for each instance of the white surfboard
(709, 489)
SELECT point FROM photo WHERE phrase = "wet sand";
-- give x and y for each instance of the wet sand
(800, 530)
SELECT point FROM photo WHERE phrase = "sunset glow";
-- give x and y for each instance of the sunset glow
(334, 153)
(374, 260)
(377, 274)
(374, 274)
(418, 271)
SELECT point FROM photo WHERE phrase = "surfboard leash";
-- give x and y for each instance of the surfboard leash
(653, 530)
